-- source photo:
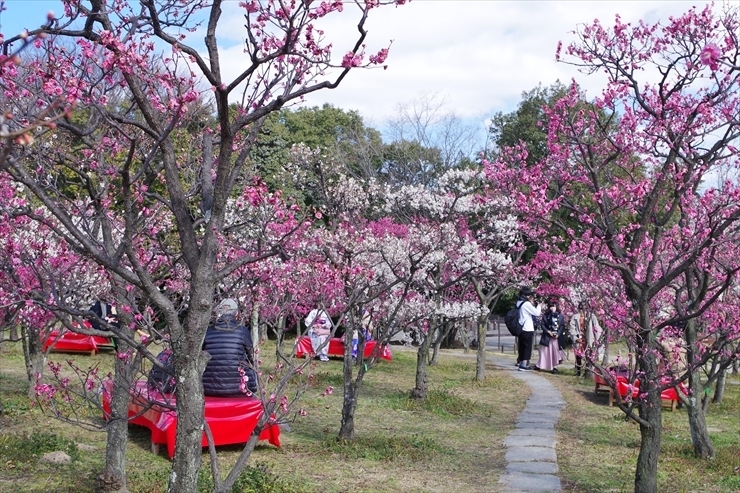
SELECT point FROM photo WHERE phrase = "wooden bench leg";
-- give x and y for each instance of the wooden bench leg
(155, 448)
(611, 397)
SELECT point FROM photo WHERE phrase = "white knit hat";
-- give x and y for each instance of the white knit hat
(227, 307)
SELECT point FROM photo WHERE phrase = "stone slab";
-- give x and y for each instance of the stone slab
(519, 454)
(529, 441)
(532, 432)
(530, 482)
(536, 418)
(535, 424)
(533, 467)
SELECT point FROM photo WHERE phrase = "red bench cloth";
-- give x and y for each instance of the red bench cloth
(231, 419)
(669, 394)
(73, 342)
(336, 348)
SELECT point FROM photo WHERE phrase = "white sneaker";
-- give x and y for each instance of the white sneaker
(324, 358)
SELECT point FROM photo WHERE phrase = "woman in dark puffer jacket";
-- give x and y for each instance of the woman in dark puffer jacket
(229, 372)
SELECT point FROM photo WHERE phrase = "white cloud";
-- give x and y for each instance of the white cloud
(478, 55)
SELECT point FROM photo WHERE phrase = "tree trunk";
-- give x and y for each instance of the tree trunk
(255, 325)
(351, 387)
(189, 365)
(349, 402)
(280, 335)
(35, 358)
(227, 485)
(719, 387)
(113, 477)
(437, 342)
(651, 412)
(480, 358)
(703, 447)
(605, 359)
(422, 379)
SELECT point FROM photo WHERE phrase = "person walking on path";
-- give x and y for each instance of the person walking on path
(553, 325)
(527, 314)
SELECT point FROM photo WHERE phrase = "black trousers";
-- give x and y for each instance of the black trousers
(525, 346)
(579, 364)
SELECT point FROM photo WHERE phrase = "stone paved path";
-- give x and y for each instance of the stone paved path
(532, 464)
(530, 447)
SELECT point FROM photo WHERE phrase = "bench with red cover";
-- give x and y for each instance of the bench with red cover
(669, 395)
(336, 348)
(231, 419)
(71, 342)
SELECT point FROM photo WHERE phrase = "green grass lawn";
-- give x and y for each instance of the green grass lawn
(597, 449)
(453, 440)
(450, 442)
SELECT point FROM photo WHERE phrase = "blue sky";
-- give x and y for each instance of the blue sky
(476, 55)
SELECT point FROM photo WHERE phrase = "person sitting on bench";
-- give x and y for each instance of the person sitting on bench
(230, 371)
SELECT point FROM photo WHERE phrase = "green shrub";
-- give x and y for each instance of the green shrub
(15, 405)
(252, 479)
(22, 447)
(385, 448)
(442, 403)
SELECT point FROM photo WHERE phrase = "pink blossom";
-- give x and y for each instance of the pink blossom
(710, 56)
(351, 60)
(380, 57)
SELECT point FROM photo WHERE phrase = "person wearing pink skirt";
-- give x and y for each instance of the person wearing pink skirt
(553, 324)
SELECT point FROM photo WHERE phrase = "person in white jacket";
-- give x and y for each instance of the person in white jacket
(319, 327)
(528, 314)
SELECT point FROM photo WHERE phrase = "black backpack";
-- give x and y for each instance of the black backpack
(511, 319)
(159, 379)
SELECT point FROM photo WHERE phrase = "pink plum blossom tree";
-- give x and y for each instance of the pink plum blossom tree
(645, 152)
(139, 182)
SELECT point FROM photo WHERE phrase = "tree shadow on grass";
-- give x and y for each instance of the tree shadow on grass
(600, 398)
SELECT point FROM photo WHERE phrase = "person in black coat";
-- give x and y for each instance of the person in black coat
(103, 311)
(230, 371)
(106, 313)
